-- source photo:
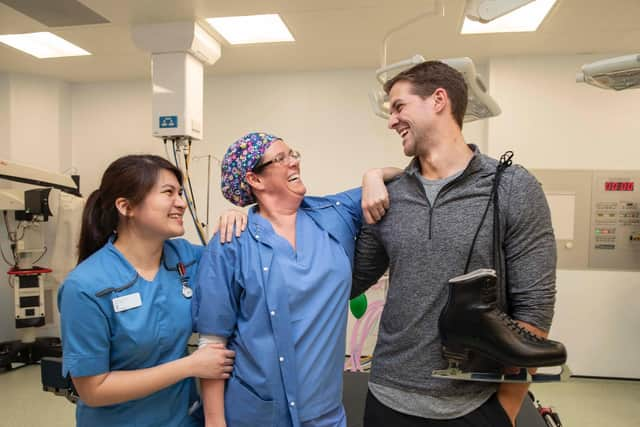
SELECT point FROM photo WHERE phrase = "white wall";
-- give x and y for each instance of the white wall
(109, 120)
(35, 113)
(551, 122)
(555, 123)
(4, 118)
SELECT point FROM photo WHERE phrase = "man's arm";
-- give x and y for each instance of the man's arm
(370, 261)
(530, 252)
(511, 395)
(530, 256)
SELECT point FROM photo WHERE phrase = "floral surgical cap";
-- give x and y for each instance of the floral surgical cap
(241, 157)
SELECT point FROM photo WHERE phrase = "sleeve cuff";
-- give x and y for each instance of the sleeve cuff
(211, 339)
(84, 366)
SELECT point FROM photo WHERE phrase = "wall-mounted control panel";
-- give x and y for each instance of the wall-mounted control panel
(596, 217)
(615, 221)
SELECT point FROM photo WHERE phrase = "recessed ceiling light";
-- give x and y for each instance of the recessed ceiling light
(525, 19)
(252, 29)
(43, 45)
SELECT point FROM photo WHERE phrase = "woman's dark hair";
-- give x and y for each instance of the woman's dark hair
(131, 177)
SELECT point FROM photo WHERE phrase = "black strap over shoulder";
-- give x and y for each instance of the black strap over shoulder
(503, 164)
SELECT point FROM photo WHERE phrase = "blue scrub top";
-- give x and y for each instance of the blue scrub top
(97, 339)
(242, 293)
(318, 278)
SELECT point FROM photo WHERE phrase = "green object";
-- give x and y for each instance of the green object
(358, 306)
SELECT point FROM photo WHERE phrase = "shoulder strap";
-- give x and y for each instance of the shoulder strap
(504, 163)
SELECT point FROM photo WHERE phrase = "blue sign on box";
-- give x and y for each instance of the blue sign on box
(168, 122)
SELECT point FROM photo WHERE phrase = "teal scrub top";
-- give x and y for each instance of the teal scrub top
(113, 320)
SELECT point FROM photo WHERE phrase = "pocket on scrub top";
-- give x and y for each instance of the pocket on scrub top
(244, 408)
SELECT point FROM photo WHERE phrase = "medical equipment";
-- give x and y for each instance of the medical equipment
(481, 105)
(596, 217)
(187, 292)
(487, 10)
(54, 382)
(179, 51)
(31, 209)
(618, 73)
(477, 10)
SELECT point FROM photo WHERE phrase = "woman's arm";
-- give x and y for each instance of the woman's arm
(211, 361)
(212, 392)
(375, 199)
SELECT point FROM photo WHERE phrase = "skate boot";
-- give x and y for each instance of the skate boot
(475, 332)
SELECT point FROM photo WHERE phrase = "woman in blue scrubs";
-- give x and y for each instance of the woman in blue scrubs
(125, 309)
(278, 295)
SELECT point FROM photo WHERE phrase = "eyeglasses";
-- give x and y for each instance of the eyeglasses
(279, 158)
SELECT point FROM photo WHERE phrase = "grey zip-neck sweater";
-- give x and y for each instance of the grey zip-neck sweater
(425, 245)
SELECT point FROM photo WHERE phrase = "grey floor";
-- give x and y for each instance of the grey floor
(580, 402)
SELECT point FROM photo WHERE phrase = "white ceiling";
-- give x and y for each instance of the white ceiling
(330, 34)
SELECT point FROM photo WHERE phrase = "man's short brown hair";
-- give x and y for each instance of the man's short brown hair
(428, 76)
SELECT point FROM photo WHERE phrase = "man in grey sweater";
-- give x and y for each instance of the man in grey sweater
(435, 209)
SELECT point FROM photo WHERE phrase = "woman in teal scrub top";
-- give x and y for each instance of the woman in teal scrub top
(125, 309)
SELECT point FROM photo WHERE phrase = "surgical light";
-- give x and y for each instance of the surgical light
(526, 18)
(618, 73)
(480, 104)
(252, 29)
(43, 45)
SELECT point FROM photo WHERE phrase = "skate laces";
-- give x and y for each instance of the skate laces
(515, 326)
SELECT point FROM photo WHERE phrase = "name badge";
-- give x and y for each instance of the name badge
(126, 302)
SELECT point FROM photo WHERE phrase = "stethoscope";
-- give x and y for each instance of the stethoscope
(187, 292)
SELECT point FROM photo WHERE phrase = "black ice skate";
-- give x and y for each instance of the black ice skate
(476, 335)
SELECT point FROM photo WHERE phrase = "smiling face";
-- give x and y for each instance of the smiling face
(279, 180)
(160, 213)
(411, 116)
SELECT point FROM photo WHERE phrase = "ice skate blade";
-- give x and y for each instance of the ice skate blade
(523, 376)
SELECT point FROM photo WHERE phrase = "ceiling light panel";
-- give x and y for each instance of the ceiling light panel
(526, 19)
(252, 29)
(42, 45)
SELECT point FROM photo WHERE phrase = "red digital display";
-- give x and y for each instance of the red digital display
(618, 186)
